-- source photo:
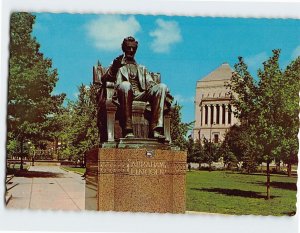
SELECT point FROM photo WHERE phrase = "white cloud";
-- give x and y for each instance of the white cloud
(256, 60)
(107, 32)
(183, 99)
(296, 52)
(166, 34)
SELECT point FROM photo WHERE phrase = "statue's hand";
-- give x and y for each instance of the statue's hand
(110, 74)
(117, 63)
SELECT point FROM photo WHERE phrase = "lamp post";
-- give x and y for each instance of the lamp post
(33, 158)
(59, 145)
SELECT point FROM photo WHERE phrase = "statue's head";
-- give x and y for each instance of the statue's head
(129, 47)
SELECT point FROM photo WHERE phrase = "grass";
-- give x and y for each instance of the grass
(235, 193)
(80, 170)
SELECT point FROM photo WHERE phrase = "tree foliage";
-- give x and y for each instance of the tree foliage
(80, 132)
(31, 103)
(229, 158)
(238, 147)
(210, 153)
(267, 110)
(179, 129)
(289, 113)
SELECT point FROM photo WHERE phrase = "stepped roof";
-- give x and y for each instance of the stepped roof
(223, 72)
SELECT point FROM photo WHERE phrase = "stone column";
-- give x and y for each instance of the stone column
(226, 114)
(215, 114)
(202, 115)
(209, 114)
(221, 114)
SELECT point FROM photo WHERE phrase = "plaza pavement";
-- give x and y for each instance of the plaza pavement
(48, 187)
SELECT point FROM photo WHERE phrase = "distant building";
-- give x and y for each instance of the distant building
(213, 111)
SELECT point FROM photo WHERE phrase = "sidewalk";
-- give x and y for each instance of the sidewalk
(48, 187)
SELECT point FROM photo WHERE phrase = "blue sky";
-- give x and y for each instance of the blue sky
(182, 49)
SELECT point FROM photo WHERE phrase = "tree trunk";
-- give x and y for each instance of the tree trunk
(289, 169)
(55, 156)
(268, 180)
(199, 166)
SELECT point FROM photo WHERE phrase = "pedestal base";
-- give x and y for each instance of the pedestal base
(138, 180)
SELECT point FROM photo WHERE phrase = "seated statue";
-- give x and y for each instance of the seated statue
(132, 82)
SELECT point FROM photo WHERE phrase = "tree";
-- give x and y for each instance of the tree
(30, 85)
(210, 153)
(240, 140)
(190, 149)
(229, 158)
(178, 128)
(259, 106)
(198, 153)
(80, 132)
(194, 151)
(289, 113)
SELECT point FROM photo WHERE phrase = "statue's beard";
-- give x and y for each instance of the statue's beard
(130, 58)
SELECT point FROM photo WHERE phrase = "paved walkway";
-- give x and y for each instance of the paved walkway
(48, 188)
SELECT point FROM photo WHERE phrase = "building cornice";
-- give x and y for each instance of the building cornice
(215, 100)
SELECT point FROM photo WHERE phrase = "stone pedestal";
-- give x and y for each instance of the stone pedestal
(137, 180)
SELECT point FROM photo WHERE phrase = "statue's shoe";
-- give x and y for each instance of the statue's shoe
(129, 135)
(159, 136)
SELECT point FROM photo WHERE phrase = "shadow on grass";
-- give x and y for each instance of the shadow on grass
(279, 185)
(33, 174)
(234, 192)
(294, 175)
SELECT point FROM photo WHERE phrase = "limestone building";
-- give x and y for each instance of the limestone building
(213, 111)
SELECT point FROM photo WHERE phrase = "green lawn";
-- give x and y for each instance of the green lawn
(235, 193)
(75, 169)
